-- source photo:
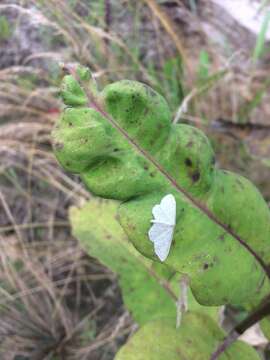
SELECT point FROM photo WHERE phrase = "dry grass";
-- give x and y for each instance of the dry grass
(55, 300)
(50, 306)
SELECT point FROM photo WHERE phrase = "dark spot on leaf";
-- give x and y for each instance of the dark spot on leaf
(146, 167)
(152, 174)
(205, 266)
(58, 146)
(179, 352)
(70, 124)
(109, 237)
(188, 162)
(221, 237)
(116, 149)
(196, 176)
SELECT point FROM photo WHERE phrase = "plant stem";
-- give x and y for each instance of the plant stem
(262, 311)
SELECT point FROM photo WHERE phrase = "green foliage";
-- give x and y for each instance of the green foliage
(260, 43)
(204, 65)
(195, 339)
(140, 280)
(5, 28)
(217, 211)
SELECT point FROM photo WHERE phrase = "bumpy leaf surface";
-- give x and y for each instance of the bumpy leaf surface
(222, 233)
(196, 339)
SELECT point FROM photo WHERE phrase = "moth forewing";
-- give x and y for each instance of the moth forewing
(161, 232)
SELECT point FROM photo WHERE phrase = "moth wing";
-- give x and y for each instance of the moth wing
(165, 212)
(161, 235)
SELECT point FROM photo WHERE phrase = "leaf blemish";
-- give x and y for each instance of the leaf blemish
(222, 237)
(196, 176)
(188, 162)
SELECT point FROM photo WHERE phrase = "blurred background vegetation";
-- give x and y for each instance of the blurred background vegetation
(56, 302)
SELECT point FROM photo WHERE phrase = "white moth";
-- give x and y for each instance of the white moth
(161, 233)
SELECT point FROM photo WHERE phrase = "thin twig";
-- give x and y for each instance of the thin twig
(261, 312)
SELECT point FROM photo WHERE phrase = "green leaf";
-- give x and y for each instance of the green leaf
(102, 237)
(197, 338)
(125, 147)
(265, 326)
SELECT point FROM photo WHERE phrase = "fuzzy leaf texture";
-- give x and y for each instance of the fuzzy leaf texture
(222, 233)
(100, 234)
(195, 339)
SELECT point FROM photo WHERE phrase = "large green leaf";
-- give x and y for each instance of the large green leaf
(102, 237)
(196, 339)
(123, 144)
